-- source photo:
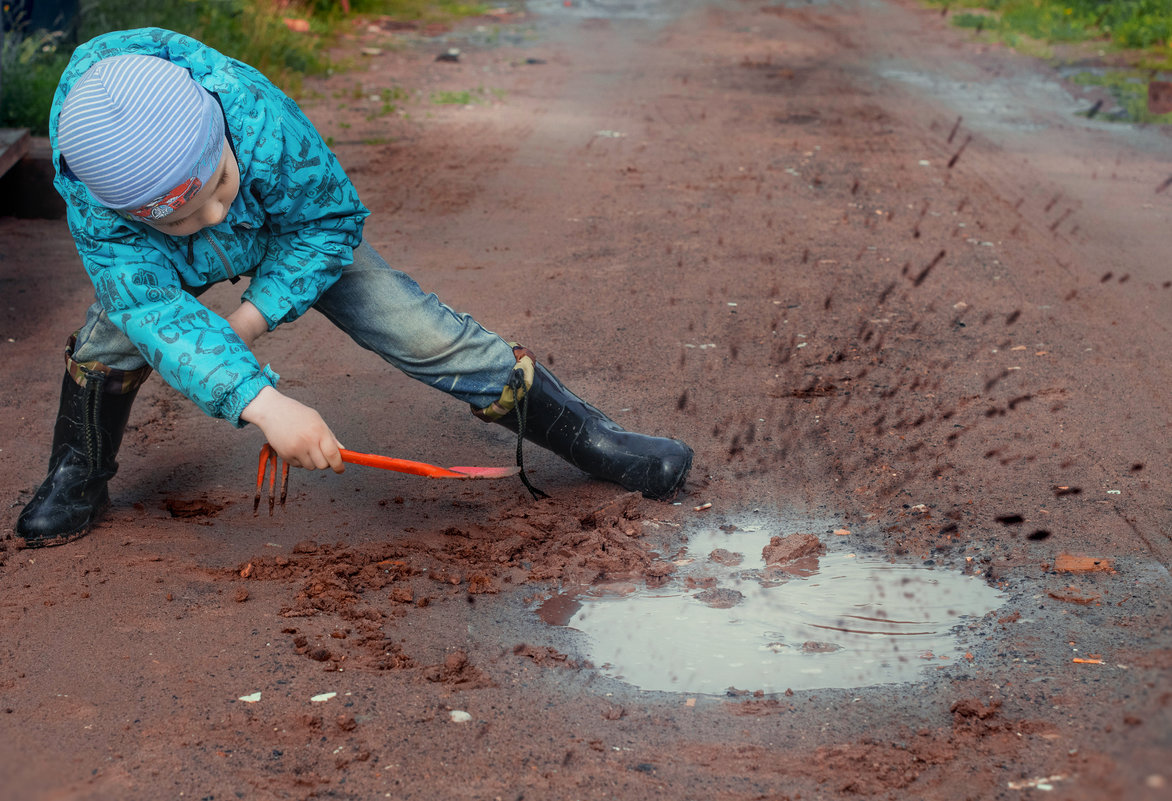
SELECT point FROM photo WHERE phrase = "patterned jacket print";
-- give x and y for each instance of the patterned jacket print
(291, 229)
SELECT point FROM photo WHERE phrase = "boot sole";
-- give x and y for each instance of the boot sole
(68, 537)
(49, 542)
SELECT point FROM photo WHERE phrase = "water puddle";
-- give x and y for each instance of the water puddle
(1008, 103)
(726, 620)
(616, 9)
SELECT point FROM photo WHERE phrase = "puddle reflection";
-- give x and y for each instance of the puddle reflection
(838, 620)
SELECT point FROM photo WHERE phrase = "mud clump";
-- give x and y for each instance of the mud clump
(972, 708)
(719, 597)
(1072, 563)
(197, 507)
(725, 557)
(615, 513)
(782, 550)
(479, 584)
(545, 656)
(458, 671)
(658, 573)
(815, 647)
(320, 654)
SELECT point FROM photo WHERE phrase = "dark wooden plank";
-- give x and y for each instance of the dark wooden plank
(14, 144)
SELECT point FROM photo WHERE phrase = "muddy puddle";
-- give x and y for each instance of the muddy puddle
(726, 620)
(615, 9)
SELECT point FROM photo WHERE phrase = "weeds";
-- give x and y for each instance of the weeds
(1143, 27)
(1123, 24)
(476, 96)
(31, 67)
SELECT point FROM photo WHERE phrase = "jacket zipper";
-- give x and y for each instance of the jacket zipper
(223, 257)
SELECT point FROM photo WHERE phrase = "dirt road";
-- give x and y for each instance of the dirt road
(885, 280)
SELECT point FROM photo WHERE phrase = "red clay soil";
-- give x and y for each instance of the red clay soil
(874, 271)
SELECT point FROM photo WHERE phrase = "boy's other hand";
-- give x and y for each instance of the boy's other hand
(248, 323)
(297, 432)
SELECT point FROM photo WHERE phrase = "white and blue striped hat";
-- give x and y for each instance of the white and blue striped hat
(141, 134)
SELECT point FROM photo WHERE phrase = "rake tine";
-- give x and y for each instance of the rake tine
(261, 467)
(284, 482)
(269, 456)
(272, 485)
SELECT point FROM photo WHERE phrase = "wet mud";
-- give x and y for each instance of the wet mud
(895, 291)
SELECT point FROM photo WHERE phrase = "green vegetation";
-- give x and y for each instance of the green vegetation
(254, 31)
(30, 69)
(1130, 90)
(1137, 32)
(465, 98)
(1144, 25)
(469, 97)
(390, 100)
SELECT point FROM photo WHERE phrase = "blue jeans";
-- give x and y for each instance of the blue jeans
(384, 311)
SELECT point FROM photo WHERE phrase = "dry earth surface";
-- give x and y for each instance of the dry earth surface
(883, 278)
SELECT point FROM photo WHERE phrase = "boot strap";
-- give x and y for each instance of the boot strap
(520, 386)
(515, 399)
(514, 390)
(113, 381)
(98, 380)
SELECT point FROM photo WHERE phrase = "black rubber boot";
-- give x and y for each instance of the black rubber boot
(86, 438)
(560, 421)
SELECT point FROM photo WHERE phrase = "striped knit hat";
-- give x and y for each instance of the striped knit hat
(141, 134)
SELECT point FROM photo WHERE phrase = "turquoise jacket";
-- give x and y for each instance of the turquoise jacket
(291, 229)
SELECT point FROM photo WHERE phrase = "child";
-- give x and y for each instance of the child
(182, 168)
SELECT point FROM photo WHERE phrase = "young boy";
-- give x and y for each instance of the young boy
(182, 168)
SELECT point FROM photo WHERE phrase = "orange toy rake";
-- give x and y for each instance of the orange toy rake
(268, 457)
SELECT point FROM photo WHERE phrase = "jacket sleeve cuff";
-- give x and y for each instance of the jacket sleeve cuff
(273, 308)
(245, 393)
(284, 298)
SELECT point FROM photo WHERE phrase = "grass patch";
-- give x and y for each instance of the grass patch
(1137, 32)
(470, 97)
(1141, 25)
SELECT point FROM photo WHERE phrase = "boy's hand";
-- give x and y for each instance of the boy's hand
(297, 433)
(248, 323)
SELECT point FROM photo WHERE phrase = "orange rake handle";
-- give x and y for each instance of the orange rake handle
(425, 469)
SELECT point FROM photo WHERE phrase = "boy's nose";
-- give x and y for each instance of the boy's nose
(216, 212)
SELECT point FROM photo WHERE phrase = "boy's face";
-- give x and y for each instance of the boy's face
(207, 207)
